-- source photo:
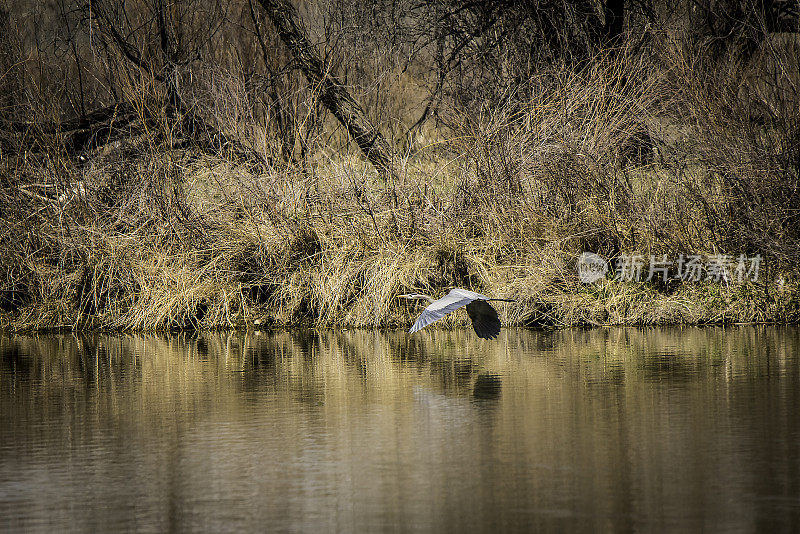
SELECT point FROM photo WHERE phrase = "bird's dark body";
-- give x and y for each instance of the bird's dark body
(484, 319)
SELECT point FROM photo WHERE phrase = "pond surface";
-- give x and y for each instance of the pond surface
(360, 431)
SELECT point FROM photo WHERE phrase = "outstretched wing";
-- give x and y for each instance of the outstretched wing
(484, 319)
(445, 305)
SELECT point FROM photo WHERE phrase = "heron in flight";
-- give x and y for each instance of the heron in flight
(484, 317)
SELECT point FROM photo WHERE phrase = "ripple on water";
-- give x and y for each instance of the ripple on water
(612, 429)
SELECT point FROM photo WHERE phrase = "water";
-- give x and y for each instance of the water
(357, 431)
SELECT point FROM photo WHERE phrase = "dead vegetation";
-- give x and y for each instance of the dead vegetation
(226, 213)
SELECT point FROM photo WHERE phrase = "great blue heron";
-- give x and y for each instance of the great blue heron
(484, 317)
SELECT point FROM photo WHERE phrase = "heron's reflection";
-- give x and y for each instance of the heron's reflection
(487, 387)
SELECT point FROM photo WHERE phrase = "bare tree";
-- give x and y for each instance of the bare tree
(332, 92)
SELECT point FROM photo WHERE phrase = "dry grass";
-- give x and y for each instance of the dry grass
(147, 237)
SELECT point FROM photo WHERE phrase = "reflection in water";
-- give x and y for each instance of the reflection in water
(614, 429)
(487, 386)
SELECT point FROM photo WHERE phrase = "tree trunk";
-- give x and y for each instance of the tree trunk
(332, 92)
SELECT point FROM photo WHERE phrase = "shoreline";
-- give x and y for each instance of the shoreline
(629, 305)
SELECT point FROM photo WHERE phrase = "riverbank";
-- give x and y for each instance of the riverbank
(201, 244)
(154, 232)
